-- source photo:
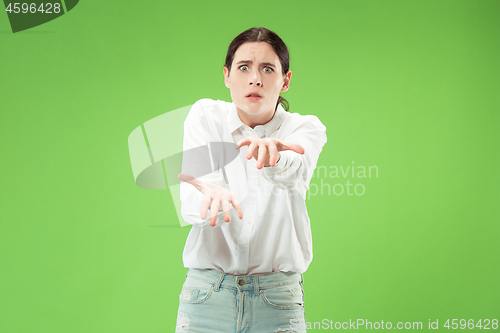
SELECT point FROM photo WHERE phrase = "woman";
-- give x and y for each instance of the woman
(246, 257)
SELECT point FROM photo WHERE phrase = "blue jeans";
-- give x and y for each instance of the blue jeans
(212, 301)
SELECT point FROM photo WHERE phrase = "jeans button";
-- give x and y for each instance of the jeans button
(241, 282)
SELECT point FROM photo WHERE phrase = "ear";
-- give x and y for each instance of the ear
(226, 76)
(286, 81)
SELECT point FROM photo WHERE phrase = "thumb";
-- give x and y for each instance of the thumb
(291, 146)
(190, 179)
(185, 177)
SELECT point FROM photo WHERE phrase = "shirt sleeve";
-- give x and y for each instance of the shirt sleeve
(198, 132)
(294, 171)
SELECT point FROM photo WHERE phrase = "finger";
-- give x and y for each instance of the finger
(285, 145)
(263, 153)
(245, 142)
(236, 205)
(251, 150)
(205, 203)
(227, 210)
(273, 154)
(214, 209)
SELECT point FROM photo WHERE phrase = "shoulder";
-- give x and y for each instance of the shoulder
(307, 130)
(296, 120)
(208, 109)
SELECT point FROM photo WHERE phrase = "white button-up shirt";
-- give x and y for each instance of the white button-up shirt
(274, 234)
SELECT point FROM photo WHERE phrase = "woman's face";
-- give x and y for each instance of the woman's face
(255, 81)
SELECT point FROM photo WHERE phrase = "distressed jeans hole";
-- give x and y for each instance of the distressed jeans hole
(182, 323)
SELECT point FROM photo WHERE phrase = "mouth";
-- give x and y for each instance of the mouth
(254, 96)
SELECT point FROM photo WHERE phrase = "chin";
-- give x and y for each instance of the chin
(249, 108)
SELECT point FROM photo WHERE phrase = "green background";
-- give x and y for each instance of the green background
(410, 87)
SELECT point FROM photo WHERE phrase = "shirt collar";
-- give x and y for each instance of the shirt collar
(270, 127)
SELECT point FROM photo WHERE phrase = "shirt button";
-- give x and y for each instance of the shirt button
(242, 250)
(241, 272)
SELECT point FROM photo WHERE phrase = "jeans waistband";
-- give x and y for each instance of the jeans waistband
(255, 282)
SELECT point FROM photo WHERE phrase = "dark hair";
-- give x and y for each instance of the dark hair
(259, 34)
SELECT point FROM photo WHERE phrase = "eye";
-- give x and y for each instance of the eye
(268, 70)
(243, 67)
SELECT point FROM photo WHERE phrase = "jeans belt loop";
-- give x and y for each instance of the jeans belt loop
(219, 281)
(256, 285)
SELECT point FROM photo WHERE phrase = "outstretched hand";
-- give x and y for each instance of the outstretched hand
(266, 150)
(213, 197)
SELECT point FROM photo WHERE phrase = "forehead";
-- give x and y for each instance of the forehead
(256, 52)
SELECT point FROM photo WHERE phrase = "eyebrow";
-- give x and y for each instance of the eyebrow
(251, 62)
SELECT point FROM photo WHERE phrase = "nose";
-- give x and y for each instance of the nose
(255, 79)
